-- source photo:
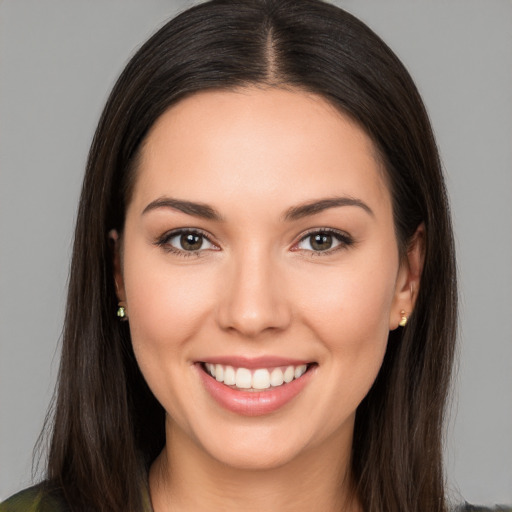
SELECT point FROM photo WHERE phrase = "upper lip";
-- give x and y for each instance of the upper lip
(255, 362)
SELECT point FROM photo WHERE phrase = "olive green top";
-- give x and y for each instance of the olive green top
(41, 499)
(34, 499)
(37, 499)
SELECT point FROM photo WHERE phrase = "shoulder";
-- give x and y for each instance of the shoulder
(39, 498)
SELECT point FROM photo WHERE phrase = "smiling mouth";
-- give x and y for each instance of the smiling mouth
(257, 379)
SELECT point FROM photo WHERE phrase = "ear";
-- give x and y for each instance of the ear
(409, 279)
(115, 243)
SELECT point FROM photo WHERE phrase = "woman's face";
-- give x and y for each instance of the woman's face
(260, 238)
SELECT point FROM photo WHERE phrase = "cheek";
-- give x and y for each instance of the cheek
(348, 309)
(350, 319)
(166, 309)
(351, 301)
(166, 306)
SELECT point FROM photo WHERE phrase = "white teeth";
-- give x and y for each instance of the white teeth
(299, 371)
(261, 378)
(289, 374)
(276, 377)
(229, 376)
(243, 378)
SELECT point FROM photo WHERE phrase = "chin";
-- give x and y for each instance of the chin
(254, 457)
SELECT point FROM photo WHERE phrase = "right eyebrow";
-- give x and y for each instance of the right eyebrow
(201, 210)
(314, 207)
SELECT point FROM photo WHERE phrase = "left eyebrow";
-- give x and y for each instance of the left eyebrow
(317, 206)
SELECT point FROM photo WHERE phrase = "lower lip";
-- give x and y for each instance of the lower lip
(253, 403)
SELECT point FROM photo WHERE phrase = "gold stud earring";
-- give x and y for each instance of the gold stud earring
(403, 320)
(121, 313)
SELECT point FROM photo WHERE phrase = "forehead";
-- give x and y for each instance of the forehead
(257, 144)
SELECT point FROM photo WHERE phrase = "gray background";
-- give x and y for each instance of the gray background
(58, 60)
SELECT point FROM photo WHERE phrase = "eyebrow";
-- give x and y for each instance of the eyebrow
(314, 207)
(196, 209)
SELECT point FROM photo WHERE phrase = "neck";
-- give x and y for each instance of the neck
(185, 478)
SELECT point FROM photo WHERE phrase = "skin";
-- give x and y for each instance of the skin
(257, 288)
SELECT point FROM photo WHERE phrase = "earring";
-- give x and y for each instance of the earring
(121, 313)
(403, 320)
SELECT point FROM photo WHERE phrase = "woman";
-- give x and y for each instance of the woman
(228, 276)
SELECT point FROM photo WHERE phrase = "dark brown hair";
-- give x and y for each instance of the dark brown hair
(107, 427)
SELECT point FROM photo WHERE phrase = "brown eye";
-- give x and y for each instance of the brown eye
(191, 242)
(324, 241)
(185, 241)
(321, 241)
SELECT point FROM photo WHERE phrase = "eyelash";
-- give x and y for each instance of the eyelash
(344, 240)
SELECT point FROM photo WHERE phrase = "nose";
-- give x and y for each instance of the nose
(253, 299)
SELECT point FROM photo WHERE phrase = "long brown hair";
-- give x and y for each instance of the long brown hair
(107, 427)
